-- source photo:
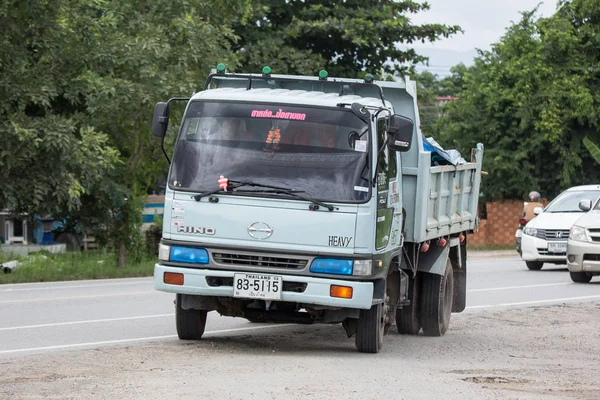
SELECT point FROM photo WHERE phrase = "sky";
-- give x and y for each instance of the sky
(483, 22)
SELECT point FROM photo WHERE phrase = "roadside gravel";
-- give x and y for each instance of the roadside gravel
(548, 352)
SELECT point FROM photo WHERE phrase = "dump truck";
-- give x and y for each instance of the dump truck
(312, 199)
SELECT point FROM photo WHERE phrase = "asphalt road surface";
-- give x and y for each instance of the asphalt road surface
(45, 317)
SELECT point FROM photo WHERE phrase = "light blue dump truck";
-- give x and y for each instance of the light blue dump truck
(312, 200)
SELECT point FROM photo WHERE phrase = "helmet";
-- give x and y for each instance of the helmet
(534, 196)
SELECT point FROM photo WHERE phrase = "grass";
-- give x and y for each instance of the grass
(47, 267)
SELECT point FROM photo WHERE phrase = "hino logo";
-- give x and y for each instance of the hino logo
(260, 230)
(558, 234)
(197, 230)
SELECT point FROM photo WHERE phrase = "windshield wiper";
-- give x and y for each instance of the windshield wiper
(274, 189)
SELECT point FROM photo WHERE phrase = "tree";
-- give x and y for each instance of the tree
(346, 38)
(76, 66)
(531, 100)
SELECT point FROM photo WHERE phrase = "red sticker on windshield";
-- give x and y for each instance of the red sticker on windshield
(280, 114)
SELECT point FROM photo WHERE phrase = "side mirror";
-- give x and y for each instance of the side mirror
(585, 205)
(160, 121)
(400, 132)
(538, 210)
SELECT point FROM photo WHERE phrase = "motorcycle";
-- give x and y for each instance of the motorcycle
(519, 234)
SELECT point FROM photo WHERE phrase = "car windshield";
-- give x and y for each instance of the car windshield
(321, 152)
(569, 201)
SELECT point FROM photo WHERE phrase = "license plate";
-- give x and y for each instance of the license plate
(257, 286)
(557, 247)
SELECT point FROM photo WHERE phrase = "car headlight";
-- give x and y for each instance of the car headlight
(163, 252)
(332, 266)
(528, 230)
(190, 255)
(362, 267)
(578, 233)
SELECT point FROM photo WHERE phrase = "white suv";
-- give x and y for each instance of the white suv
(545, 237)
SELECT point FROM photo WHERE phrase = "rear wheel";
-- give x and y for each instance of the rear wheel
(369, 329)
(534, 265)
(436, 301)
(408, 318)
(190, 323)
(580, 277)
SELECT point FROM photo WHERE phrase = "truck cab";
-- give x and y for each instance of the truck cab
(307, 199)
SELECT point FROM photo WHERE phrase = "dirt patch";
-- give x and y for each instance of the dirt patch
(534, 353)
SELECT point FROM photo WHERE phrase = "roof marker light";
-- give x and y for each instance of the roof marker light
(221, 68)
(266, 70)
(323, 75)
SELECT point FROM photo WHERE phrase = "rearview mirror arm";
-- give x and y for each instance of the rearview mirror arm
(165, 119)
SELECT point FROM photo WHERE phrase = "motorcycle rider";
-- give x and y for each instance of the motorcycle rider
(528, 207)
(527, 215)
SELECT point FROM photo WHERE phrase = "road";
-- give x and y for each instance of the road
(43, 317)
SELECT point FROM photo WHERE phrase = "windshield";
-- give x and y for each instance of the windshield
(569, 201)
(321, 152)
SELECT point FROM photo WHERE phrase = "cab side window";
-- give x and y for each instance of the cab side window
(387, 166)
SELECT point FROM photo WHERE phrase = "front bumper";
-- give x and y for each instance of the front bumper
(317, 290)
(577, 251)
(536, 249)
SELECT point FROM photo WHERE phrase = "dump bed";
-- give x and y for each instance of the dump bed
(437, 200)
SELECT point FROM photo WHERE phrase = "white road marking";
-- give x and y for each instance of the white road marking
(90, 321)
(67, 346)
(523, 303)
(77, 297)
(74, 286)
(518, 287)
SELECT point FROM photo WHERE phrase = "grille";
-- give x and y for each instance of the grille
(553, 234)
(591, 257)
(594, 234)
(259, 261)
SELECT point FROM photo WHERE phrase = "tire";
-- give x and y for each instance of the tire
(436, 301)
(369, 330)
(190, 323)
(534, 265)
(408, 319)
(580, 277)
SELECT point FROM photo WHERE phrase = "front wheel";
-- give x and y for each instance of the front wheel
(534, 265)
(436, 301)
(369, 329)
(580, 277)
(190, 323)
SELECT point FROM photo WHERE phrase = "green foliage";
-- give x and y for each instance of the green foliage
(347, 38)
(429, 87)
(78, 81)
(531, 100)
(592, 148)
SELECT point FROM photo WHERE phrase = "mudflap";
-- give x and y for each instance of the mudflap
(458, 258)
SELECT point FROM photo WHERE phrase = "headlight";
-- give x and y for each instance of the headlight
(332, 266)
(530, 231)
(163, 252)
(188, 255)
(362, 267)
(578, 233)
